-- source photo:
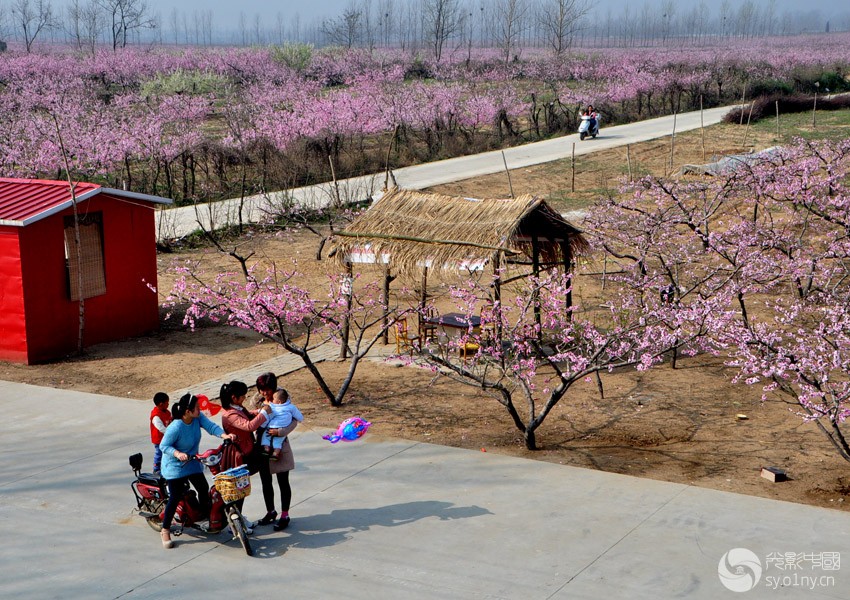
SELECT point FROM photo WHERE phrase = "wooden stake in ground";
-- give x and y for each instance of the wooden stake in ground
(777, 121)
(672, 143)
(573, 168)
(747, 130)
(743, 96)
(385, 304)
(815, 107)
(336, 183)
(348, 289)
(508, 171)
(702, 128)
(629, 160)
(604, 269)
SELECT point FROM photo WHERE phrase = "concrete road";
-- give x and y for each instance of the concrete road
(388, 518)
(178, 222)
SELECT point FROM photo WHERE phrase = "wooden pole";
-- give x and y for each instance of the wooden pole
(815, 107)
(672, 142)
(348, 290)
(497, 299)
(336, 183)
(747, 130)
(508, 171)
(777, 121)
(535, 270)
(573, 168)
(702, 127)
(629, 159)
(385, 301)
(568, 258)
(604, 269)
(423, 300)
(743, 96)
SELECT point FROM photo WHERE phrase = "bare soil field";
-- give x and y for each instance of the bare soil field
(679, 425)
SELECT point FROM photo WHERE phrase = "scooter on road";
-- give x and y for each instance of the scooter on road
(585, 129)
(230, 486)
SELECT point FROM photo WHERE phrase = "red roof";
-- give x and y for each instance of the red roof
(24, 201)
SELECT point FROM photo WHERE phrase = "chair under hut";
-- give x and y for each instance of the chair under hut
(413, 233)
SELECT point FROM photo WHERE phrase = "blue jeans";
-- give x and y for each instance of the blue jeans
(157, 457)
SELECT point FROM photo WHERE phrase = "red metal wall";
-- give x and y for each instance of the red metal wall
(128, 308)
(13, 333)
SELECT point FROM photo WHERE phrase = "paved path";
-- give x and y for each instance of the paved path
(383, 518)
(182, 221)
(280, 365)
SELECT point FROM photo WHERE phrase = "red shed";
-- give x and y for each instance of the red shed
(39, 282)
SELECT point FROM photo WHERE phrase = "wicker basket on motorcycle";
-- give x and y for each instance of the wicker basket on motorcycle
(233, 484)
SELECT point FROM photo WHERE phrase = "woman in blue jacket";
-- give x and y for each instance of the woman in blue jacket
(179, 445)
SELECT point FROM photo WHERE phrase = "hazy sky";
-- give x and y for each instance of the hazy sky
(227, 11)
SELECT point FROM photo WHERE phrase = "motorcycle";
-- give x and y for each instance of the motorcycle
(151, 495)
(584, 128)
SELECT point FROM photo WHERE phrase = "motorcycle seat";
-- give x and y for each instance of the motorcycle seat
(151, 479)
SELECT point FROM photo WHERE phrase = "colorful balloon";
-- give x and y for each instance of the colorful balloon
(349, 430)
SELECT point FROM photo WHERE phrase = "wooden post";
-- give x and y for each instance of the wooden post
(747, 130)
(565, 251)
(535, 269)
(629, 159)
(777, 121)
(604, 269)
(672, 142)
(348, 289)
(497, 299)
(573, 169)
(702, 127)
(423, 299)
(743, 96)
(815, 107)
(336, 183)
(385, 301)
(508, 171)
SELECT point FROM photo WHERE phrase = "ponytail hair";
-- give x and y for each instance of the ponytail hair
(186, 402)
(231, 390)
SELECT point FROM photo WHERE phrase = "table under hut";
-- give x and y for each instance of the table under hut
(414, 235)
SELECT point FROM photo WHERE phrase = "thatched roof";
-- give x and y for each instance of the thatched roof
(411, 229)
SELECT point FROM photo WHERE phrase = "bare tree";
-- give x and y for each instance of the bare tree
(560, 20)
(84, 24)
(257, 35)
(440, 22)
(124, 18)
(345, 29)
(667, 16)
(33, 17)
(510, 15)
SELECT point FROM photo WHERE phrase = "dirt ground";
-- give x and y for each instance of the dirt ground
(677, 425)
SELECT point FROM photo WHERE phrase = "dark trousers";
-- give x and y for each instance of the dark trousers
(176, 490)
(268, 487)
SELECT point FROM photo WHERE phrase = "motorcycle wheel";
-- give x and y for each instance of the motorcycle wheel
(156, 507)
(582, 135)
(593, 136)
(238, 529)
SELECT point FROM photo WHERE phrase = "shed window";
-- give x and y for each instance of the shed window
(91, 265)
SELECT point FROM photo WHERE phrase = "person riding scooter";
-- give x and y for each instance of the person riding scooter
(590, 112)
(589, 125)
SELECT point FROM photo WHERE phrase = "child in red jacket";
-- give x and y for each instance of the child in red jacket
(160, 418)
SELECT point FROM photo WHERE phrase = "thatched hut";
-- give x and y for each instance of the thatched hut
(412, 233)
